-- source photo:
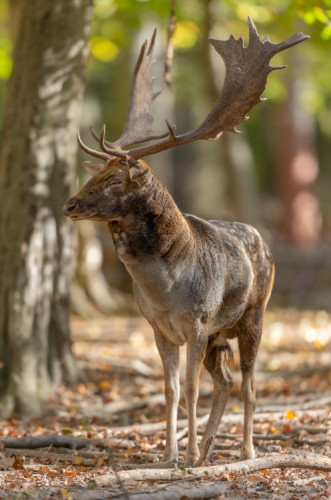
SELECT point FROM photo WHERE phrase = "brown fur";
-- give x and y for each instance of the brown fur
(197, 282)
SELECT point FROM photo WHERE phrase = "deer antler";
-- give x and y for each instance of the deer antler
(140, 119)
(247, 70)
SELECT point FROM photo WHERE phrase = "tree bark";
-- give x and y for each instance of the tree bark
(38, 157)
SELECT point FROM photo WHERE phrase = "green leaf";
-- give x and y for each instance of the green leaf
(66, 431)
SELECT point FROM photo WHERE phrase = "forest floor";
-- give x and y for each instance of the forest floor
(93, 436)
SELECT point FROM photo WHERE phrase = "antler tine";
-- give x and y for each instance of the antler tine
(90, 151)
(151, 43)
(144, 139)
(110, 151)
(247, 70)
(274, 48)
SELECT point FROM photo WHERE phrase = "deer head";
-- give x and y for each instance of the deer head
(111, 191)
(123, 173)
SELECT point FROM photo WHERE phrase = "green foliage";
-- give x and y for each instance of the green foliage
(5, 43)
(5, 58)
(117, 24)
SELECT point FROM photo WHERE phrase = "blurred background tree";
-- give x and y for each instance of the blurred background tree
(276, 175)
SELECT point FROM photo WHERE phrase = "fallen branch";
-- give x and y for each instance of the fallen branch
(303, 460)
(308, 405)
(135, 366)
(198, 493)
(155, 492)
(313, 430)
(300, 372)
(276, 437)
(33, 442)
(152, 427)
(83, 458)
(172, 463)
(121, 406)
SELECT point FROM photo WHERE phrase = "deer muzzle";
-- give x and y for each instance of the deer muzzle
(70, 208)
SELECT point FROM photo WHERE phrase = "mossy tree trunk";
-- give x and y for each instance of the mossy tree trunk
(38, 159)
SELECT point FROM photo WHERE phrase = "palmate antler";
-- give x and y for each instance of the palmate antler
(247, 70)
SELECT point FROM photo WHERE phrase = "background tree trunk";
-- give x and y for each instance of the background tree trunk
(297, 171)
(38, 157)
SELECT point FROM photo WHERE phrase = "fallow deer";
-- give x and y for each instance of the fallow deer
(197, 282)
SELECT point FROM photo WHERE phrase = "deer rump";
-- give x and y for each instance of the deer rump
(197, 282)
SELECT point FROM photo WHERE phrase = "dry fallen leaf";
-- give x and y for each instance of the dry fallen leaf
(18, 464)
(6, 463)
(290, 414)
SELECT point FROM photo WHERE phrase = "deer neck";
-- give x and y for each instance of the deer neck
(152, 227)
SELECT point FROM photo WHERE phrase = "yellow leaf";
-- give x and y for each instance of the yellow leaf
(290, 414)
(101, 460)
(64, 492)
(274, 430)
(103, 49)
(236, 408)
(186, 35)
(104, 384)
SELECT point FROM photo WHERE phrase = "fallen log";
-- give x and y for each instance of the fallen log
(302, 460)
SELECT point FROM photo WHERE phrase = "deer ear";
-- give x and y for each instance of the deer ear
(93, 168)
(139, 173)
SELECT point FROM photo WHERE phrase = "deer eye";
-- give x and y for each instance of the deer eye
(116, 184)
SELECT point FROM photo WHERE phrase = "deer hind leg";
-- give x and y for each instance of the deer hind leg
(218, 361)
(249, 336)
(169, 353)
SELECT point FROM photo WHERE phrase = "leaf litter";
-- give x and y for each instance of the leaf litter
(119, 410)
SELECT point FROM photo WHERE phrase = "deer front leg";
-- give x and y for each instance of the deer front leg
(196, 350)
(169, 353)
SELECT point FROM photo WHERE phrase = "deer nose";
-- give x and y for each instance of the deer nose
(70, 206)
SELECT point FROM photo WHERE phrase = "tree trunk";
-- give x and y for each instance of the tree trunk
(38, 157)
(297, 170)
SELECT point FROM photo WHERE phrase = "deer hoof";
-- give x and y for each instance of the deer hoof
(247, 454)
